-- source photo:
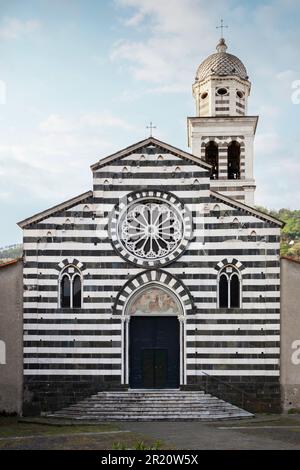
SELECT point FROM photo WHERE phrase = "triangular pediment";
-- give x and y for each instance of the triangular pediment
(150, 145)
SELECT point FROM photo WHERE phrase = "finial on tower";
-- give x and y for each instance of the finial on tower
(221, 46)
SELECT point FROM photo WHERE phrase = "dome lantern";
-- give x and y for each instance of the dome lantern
(221, 46)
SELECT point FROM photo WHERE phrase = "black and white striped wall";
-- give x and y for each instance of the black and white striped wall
(70, 353)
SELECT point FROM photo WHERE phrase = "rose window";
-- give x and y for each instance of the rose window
(150, 230)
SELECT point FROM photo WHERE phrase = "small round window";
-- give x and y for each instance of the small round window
(240, 94)
(222, 91)
(204, 95)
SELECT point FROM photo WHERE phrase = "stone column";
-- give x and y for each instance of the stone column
(182, 371)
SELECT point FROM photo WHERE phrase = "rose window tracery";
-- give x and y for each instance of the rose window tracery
(150, 230)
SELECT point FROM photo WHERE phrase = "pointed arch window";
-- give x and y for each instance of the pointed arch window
(65, 291)
(76, 294)
(229, 288)
(223, 291)
(234, 163)
(212, 157)
(70, 287)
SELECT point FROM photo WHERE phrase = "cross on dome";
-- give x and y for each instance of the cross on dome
(222, 26)
(221, 46)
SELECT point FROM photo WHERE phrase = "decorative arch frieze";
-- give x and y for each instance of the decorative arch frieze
(70, 261)
(158, 277)
(229, 261)
(222, 141)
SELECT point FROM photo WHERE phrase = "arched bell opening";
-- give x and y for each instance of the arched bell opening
(212, 157)
(234, 163)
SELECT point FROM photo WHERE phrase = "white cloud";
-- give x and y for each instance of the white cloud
(52, 161)
(56, 123)
(287, 76)
(13, 28)
(172, 48)
(170, 40)
(104, 120)
(268, 143)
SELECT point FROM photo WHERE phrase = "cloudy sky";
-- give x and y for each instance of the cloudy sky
(80, 79)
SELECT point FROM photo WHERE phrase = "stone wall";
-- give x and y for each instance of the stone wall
(11, 318)
(290, 333)
(51, 393)
(254, 394)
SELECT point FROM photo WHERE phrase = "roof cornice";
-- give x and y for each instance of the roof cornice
(249, 209)
(59, 207)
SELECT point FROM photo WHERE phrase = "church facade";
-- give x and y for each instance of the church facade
(164, 275)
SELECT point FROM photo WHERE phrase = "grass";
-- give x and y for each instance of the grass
(138, 445)
(50, 434)
(293, 411)
(12, 427)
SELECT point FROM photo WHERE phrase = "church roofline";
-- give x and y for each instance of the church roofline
(145, 143)
(290, 259)
(10, 262)
(246, 208)
(52, 210)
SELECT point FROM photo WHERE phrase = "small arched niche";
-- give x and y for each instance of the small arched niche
(217, 210)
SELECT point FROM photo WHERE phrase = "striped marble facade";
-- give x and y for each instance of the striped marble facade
(63, 347)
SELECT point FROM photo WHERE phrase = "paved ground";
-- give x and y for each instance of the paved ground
(263, 432)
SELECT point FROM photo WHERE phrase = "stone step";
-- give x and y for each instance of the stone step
(153, 399)
(131, 398)
(152, 392)
(141, 402)
(144, 395)
(147, 411)
(182, 406)
(205, 401)
(152, 411)
(145, 407)
(199, 417)
(157, 415)
(151, 405)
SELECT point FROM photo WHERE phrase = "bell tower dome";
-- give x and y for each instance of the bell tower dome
(221, 86)
(221, 132)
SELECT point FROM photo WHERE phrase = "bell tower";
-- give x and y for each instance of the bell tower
(222, 133)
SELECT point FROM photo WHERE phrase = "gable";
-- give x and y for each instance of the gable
(150, 146)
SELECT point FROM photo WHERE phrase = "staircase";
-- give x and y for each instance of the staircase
(152, 405)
